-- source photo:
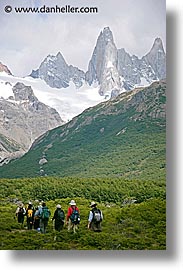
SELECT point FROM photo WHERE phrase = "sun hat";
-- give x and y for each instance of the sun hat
(72, 202)
(58, 206)
(93, 204)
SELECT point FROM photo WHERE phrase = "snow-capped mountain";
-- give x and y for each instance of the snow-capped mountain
(68, 102)
(58, 87)
(110, 69)
(57, 73)
(31, 107)
(142, 72)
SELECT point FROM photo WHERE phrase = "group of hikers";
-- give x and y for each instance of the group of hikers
(37, 218)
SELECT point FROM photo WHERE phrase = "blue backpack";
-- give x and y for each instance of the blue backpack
(75, 217)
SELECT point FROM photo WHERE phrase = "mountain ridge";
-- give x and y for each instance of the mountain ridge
(113, 69)
(57, 73)
(124, 136)
(23, 118)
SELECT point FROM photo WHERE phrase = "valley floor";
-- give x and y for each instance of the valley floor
(128, 224)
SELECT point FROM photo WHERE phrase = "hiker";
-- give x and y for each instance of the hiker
(59, 217)
(73, 216)
(44, 217)
(40, 205)
(30, 216)
(95, 218)
(20, 213)
(37, 219)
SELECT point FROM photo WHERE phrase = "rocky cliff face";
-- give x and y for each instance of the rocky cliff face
(23, 118)
(129, 69)
(57, 73)
(102, 67)
(112, 69)
(144, 71)
(116, 71)
(155, 60)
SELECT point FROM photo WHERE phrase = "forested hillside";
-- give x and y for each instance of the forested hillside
(124, 137)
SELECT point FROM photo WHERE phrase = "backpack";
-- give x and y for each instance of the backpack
(75, 217)
(21, 211)
(60, 215)
(45, 214)
(29, 213)
(96, 215)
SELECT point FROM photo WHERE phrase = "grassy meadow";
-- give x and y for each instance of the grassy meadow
(134, 214)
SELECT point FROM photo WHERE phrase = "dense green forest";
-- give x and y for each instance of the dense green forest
(134, 213)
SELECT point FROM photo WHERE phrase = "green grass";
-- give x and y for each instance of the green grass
(136, 227)
(126, 225)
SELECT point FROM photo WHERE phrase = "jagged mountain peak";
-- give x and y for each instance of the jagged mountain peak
(57, 73)
(110, 68)
(106, 34)
(158, 42)
(102, 67)
(105, 37)
(55, 59)
(59, 55)
(157, 45)
(155, 60)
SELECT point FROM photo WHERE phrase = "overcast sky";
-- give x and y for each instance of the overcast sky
(26, 39)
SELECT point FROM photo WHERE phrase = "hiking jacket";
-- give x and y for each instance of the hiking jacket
(70, 210)
(55, 216)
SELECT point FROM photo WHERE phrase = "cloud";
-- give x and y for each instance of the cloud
(28, 38)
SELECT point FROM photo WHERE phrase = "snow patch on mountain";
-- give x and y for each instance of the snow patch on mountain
(68, 102)
(5, 90)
